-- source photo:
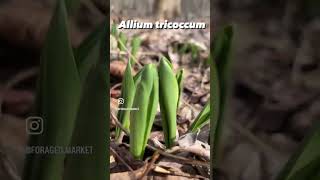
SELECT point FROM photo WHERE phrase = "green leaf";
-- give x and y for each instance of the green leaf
(184, 48)
(92, 122)
(114, 30)
(127, 93)
(153, 104)
(190, 47)
(58, 99)
(87, 54)
(194, 51)
(135, 45)
(310, 171)
(122, 41)
(137, 77)
(202, 119)
(169, 96)
(146, 100)
(219, 81)
(179, 77)
(308, 153)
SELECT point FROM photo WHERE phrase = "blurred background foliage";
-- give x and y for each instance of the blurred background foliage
(275, 100)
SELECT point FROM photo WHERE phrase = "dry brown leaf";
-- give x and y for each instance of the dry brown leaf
(117, 68)
(112, 162)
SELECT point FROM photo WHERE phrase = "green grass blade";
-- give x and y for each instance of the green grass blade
(135, 46)
(142, 120)
(58, 98)
(194, 51)
(152, 106)
(87, 53)
(179, 77)
(137, 77)
(92, 124)
(308, 152)
(310, 171)
(202, 119)
(122, 41)
(114, 30)
(169, 95)
(220, 82)
(127, 93)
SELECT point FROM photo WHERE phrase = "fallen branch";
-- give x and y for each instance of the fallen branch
(120, 159)
(150, 165)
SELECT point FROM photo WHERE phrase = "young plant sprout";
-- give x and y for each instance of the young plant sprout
(169, 92)
(146, 101)
(127, 93)
(202, 119)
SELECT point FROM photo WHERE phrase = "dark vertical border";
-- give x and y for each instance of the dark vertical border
(211, 138)
(106, 56)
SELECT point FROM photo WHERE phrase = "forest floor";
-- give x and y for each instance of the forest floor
(187, 50)
(275, 84)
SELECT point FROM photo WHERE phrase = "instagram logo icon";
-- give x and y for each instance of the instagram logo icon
(34, 125)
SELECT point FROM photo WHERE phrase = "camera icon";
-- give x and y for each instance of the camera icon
(34, 125)
(120, 101)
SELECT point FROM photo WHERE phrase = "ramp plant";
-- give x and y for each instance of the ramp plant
(146, 100)
(71, 100)
(169, 100)
(127, 93)
(202, 119)
(145, 90)
(220, 69)
(305, 162)
(122, 40)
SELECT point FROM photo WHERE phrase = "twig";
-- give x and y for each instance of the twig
(115, 86)
(150, 165)
(188, 104)
(191, 149)
(181, 174)
(134, 58)
(120, 138)
(119, 157)
(139, 53)
(182, 159)
(119, 124)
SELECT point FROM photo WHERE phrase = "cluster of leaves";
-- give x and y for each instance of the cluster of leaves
(122, 40)
(71, 99)
(149, 87)
(190, 48)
